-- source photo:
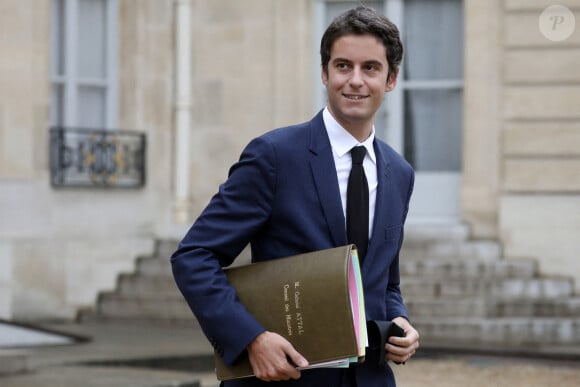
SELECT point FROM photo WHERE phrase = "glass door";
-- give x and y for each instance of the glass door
(432, 111)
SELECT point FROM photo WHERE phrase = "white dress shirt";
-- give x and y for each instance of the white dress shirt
(342, 142)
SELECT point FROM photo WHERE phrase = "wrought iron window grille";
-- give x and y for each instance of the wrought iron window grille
(97, 158)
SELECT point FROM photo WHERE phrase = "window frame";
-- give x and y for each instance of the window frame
(64, 46)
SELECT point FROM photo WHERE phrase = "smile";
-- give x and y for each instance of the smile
(355, 97)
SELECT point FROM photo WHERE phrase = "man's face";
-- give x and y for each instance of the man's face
(357, 80)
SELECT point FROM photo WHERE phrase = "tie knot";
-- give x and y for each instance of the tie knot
(358, 154)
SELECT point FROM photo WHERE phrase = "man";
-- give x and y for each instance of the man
(288, 195)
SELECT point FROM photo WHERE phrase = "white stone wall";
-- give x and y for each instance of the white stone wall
(540, 206)
(60, 247)
(253, 64)
(23, 131)
(546, 227)
(5, 280)
(522, 130)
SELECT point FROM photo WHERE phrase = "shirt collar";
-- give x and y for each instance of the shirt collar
(342, 141)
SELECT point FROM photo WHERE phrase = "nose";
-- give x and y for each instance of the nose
(356, 80)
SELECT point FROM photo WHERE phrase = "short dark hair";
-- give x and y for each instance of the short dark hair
(362, 21)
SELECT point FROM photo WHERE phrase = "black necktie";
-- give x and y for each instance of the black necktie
(357, 203)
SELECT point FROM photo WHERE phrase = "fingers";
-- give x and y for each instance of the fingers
(399, 354)
(401, 349)
(285, 365)
(276, 370)
(409, 342)
(297, 359)
(272, 358)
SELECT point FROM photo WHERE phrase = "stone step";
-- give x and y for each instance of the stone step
(413, 249)
(164, 249)
(501, 331)
(14, 362)
(434, 232)
(469, 268)
(477, 307)
(535, 288)
(569, 307)
(467, 307)
(161, 265)
(146, 285)
(457, 291)
(495, 288)
(153, 266)
(482, 250)
(112, 306)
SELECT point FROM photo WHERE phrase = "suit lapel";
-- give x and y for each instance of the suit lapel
(326, 181)
(384, 196)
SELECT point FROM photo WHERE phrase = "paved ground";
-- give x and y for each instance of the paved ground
(112, 357)
(467, 371)
(122, 355)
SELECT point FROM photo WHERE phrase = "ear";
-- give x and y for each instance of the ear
(324, 77)
(391, 81)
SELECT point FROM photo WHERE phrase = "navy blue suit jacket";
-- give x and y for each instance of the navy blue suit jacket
(282, 197)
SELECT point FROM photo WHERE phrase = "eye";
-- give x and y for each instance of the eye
(342, 66)
(371, 67)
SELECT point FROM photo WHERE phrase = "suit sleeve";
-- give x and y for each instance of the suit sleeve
(239, 210)
(394, 299)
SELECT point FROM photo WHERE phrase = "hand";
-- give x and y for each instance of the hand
(400, 349)
(271, 356)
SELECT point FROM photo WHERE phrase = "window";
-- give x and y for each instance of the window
(84, 63)
(432, 86)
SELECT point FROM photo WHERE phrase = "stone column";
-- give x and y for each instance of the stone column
(482, 117)
(5, 281)
(183, 106)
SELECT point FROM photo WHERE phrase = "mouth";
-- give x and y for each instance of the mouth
(355, 97)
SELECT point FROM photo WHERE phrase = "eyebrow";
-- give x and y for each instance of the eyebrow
(367, 62)
(374, 62)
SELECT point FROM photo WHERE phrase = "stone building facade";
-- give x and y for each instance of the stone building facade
(521, 170)
(251, 66)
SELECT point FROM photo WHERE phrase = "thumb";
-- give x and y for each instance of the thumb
(296, 357)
